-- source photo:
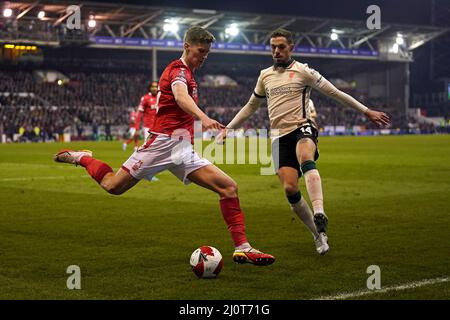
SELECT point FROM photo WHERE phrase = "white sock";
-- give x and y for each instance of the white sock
(304, 212)
(314, 188)
(244, 246)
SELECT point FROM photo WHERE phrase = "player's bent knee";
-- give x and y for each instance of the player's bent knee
(290, 188)
(112, 189)
(306, 156)
(229, 191)
(307, 152)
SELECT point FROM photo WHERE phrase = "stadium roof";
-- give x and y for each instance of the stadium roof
(148, 22)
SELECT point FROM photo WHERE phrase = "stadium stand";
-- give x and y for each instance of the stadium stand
(102, 83)
(96, 97)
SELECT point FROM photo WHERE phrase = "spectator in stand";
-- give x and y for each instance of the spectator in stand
(95, 131)
(108, 136)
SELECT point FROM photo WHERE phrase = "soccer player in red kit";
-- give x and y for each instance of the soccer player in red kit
(169, 146)
(132, 132)
(147, 109)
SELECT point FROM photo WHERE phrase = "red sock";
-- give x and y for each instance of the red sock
(95, 168)
(234, 217)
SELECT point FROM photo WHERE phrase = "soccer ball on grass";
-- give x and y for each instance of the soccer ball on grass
(206, 262)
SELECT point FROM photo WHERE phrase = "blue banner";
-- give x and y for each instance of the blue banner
(141, 42)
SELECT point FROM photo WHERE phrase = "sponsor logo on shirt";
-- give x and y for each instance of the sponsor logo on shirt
(285, 90)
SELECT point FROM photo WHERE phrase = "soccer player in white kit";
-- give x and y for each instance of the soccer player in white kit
(169, 146)
(287, 86)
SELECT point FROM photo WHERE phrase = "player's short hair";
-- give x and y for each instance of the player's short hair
(197, 34)
(283, 33)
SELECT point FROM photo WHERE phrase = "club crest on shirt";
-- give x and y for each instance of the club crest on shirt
(137, 165)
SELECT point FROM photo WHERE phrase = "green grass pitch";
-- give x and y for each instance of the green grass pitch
(387, 199)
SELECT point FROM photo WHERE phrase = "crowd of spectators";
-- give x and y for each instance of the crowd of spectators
(92, 99)
(53, 122)
(83, 89)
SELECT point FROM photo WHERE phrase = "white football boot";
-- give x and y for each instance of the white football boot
(321, 242)
(321, 222)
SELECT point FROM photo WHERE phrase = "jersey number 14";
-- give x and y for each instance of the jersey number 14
(306, 130)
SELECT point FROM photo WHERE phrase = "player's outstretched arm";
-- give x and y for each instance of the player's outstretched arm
(318, 82)
(246, 112)
(185, 102)
(379, 118)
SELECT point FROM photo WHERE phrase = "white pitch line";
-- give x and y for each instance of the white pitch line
(406, 286)
(41, 178)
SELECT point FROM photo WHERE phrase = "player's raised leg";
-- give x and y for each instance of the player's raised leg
(214, 179)
(114, 183)
(305, 151)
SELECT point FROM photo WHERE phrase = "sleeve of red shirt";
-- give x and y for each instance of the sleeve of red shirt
(140, 112)
(178, 74)
(141, 106)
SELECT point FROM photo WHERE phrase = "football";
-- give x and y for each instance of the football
(206, 262)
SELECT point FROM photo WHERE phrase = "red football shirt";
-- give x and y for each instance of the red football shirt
(169, 116)
(147, 107)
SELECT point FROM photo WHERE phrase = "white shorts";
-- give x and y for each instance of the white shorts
(146, 133)
(161, 152)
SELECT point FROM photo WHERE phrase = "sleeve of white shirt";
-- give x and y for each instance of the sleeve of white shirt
(259, 91)
(318, 82)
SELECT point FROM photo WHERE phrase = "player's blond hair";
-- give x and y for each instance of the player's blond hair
(197, 34)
